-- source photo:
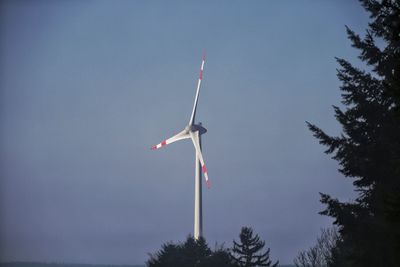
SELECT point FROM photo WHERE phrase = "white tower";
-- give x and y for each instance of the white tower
(198, 202)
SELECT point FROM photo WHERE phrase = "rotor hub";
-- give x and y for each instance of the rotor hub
(198, 127)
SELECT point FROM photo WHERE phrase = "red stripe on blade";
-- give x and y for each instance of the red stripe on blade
(204, 169)
(201, 74)
(163, 143)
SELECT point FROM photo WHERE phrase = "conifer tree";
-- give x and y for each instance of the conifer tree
(368, 150)
(248, 253)
(191, 253)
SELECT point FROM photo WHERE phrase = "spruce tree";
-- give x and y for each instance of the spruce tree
(368, 150)
(248, 253)
(191, 253)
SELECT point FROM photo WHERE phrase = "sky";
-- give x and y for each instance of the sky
(87, 87)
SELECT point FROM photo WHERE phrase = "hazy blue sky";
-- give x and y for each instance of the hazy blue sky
(88, 86)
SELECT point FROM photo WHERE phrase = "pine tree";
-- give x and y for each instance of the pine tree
(368, 150)
(191, 253)
(248, 252)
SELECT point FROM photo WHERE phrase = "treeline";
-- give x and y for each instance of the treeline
(248, 251)
(57, 264)
(367, 229)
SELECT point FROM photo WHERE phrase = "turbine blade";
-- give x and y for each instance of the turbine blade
(177, 137)
(192, 117)
(196, 143)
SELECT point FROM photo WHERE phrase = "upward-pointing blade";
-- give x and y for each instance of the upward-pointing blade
(182, 135)
(195, 139)
(192, 117)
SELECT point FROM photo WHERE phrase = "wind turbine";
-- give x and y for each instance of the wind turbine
(194, 132)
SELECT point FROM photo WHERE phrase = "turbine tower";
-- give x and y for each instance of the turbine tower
(194, 132)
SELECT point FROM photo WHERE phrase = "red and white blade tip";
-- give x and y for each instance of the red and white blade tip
(160, 145)
(208, 182)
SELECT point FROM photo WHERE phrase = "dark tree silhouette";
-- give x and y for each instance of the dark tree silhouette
(248, 253)
(368, 150)
(319, 255)
(191, 253)
(220, 258)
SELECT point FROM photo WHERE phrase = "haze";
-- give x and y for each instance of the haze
(88, 86)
